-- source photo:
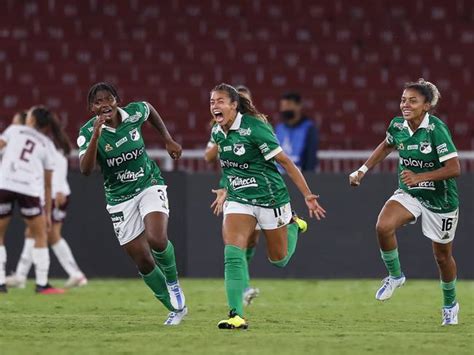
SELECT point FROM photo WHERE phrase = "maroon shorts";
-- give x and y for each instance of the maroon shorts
(29, 206)
(59, 212)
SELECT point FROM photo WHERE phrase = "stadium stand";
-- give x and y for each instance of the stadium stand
(350, 59)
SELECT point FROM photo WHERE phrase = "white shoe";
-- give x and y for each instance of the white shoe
(176, 295)
(450, 314)
(389, 284)
(76, 281)
(15, 281)
(174, 318)
(249, 294)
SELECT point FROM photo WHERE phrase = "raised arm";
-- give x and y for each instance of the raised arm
(87, 161)
(173, 148)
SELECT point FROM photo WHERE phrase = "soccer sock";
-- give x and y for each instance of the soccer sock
(66, 259)
(292, 232)
(392, 262)
(157, 283)
(449, 293)
(249, 253)
(3, 262)
(26, 259)
(166, 262)
(41, 262)
(234, 270)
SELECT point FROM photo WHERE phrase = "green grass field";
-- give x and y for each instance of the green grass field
(289, 317)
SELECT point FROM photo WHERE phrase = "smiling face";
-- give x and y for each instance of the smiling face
(104, 103)
(222, 109)
(413, 105)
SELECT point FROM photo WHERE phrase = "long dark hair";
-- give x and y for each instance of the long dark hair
(244, 105)
(46, 119)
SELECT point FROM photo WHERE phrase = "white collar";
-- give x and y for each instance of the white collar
(235, 125)
(423, 124)
(123, 116)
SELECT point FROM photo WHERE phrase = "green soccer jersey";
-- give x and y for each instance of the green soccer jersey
(121, 154)
(425, 150)
(246, 155)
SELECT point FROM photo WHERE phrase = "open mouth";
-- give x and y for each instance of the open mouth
(218, 116)
(107, 113)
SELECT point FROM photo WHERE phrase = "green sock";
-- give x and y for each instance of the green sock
(449, 293)
(166, 262)
(292, 241)
(156, 281)
(392, 262)
(249, 253)
(234, 270)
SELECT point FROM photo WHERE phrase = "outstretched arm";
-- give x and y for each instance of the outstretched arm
(378, 155)
(297, 177)
(173, 148)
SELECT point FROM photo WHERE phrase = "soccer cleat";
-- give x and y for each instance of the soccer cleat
(176, 295)
(389, 284)
(3, 288)
(450, 314)
(301, 223)
(49, 290)
(174, 318)
(234, 322)
(249, 294)
(76, 281)
(15, 281)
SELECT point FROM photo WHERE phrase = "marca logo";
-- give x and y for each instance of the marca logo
(130, 176)
(244, 131)
(121, 141)
(412, 147)
(239, 149)
(134, 134)
(238, 183)
(416, 163)
(127, 156)
(425, 147)
(424, 185)
(442, 148)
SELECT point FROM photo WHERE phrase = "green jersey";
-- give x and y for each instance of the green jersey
(121, 154)
(425, 150)
(246, 155)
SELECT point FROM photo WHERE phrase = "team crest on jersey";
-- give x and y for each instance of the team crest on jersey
(239, 149)
(134, 134)
(108, 147)
(425, 147)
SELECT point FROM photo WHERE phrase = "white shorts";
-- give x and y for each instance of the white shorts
(127, 217)
(267, 218)
(439, 227)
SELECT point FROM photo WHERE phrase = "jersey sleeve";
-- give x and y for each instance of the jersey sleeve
(5, 135)
(444, 143)
(265, 139)
(389, 134)
(83, 139)
(145, 109)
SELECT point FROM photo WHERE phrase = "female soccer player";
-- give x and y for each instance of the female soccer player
(256, 192)
(135, 191)
(60, 199)
(210, 155)
(26, 170)
(427, 168)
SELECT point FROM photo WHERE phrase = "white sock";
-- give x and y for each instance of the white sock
(3, 262)
(26, 259)
(66, 259)
(41, 261)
